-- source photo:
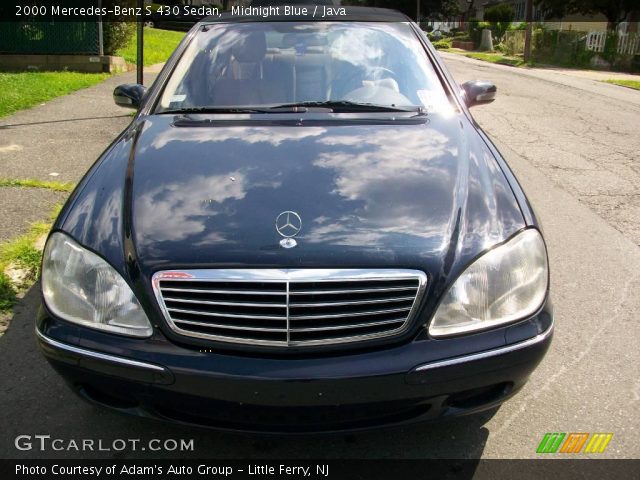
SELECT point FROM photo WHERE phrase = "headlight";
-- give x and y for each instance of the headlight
(81, 287)
(506, 284)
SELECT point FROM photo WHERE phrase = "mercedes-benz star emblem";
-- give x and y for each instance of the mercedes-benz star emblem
(288, 224)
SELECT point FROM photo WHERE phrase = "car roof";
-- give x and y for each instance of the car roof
(353, 14)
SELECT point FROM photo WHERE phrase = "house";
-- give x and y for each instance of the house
(468, 10)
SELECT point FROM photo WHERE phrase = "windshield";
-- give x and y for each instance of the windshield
(264, 64)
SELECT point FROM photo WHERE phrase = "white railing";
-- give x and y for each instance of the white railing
(628, 44)
(596, 41)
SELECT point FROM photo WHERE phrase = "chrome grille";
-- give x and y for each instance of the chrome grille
(289, 307)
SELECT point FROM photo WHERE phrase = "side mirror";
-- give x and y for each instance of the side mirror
(479, 92)
(129, 95)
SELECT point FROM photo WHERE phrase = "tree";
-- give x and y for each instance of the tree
(616, 11)
(435, 9)
(500, 16)
(117, 34)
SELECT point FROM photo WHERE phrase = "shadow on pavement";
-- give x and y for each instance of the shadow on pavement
(46, 122)
(34, 400)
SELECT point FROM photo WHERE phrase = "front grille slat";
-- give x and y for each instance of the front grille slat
(222, 292)
(289, 308)
(350, 314)
(230, 327)
(347, 326)
(227, 315)
(226, 304)
(351, 291)
(351, 303)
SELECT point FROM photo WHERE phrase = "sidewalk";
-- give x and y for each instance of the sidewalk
(56, 141)
(590, 79)
(572, 72)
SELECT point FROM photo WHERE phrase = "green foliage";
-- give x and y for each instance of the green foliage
(22, 253)
(625, 83)
(158, 46)
(496, 58)
(26, 89)
(519, 26)
(7, 293)
(34, 183)
(433, 9)
(117, 35)
(442, 44)
(561, 47)
(475, 30)
(513, 42)
(502, 12)
(500, 17)
(567, 49)
(615, 10)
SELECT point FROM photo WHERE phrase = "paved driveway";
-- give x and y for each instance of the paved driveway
(573, 143)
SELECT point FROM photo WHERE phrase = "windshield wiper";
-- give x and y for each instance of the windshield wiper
(215, 110)
(347, 106)
(301, 107)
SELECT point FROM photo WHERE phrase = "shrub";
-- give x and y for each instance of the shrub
(514, 42)
(7, 293)
(117, 35)
(442, 44)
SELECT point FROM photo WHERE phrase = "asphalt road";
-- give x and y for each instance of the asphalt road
(573, 143)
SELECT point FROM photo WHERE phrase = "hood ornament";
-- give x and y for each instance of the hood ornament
(288, 225)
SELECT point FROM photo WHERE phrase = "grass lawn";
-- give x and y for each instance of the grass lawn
(22, 253)
(626, 83)
(26, 89)
(496, 58)
(158, 46)
(33, 183)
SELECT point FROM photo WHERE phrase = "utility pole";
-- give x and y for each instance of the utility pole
(529, 31)
(418, 12)
(100, 31)
(140, 42)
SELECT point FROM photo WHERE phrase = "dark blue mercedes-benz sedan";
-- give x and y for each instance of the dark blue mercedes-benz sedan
(302, 230)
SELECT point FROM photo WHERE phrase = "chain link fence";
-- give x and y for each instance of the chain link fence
(48, 38)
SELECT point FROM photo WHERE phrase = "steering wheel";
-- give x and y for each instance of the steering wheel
(375, 70)
(373, 73)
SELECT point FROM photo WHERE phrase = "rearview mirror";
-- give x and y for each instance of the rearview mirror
(479, 92)
(129, 95)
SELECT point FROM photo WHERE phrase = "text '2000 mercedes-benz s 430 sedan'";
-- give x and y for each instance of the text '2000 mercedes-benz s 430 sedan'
(302, 230)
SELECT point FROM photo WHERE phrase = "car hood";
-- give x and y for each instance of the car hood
(412, 193)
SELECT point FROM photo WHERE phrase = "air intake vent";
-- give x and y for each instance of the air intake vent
(289, 307)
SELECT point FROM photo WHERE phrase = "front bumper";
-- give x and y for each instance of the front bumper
(424, 380)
